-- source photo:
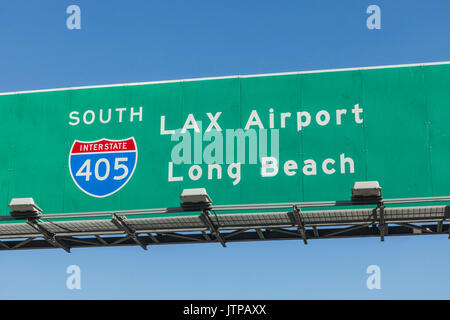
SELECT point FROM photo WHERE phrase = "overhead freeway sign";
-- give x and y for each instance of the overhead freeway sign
(302, 136)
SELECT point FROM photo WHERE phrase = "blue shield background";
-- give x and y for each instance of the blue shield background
(102, 188)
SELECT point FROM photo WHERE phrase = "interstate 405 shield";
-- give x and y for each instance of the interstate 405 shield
(102, 167)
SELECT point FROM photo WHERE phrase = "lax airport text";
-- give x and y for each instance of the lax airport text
(218, 152)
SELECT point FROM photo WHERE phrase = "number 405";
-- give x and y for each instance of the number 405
(85, 170)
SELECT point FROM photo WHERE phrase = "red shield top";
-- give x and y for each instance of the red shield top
(104, 145)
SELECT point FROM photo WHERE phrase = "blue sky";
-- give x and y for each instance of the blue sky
(132, 41)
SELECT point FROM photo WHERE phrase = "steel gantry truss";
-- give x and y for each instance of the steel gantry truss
(228, 223)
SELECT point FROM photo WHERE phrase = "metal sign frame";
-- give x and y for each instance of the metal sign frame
(260, 222)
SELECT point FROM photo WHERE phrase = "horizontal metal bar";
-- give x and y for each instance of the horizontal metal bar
(21, 244)
(418, 228)
(222, 228)
(345, 230)
(269, 235)
(181, 236)
(416, 200)
(234, 233)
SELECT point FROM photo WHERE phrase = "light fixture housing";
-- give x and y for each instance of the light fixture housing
(23, 208)
(195, 199)
(366, 191)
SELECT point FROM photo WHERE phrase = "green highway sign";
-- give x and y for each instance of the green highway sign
(304, 136)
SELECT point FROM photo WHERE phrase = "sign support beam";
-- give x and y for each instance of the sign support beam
(205, 235)
(4, 245)
(316, 232)
(152, 237)
(48, 236)
(441, 223)
(205, 217)
(299, 221)
(414, 227)
(23, 243)
(260, 234)
(100, 239)
(234, 233)
(344, 230)
(382, 224)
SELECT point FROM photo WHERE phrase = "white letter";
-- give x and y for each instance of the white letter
(213, 122)
(271, 121)
(132, 114)
(218, 170)
(290, 165)
(324, 166)
(171, 177)
(300, 123)
(310, 168)
(235, 175)
(73, 21)
(254, 120)
(120, 113)
(101, 116)
(319, 117)
(345, 160)
(163, 127)
(269, 163)
(339, 113)
(92, 117)
(283, 117)
(357, 111)
(191, 172)
(73, 116)
(190, 124)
